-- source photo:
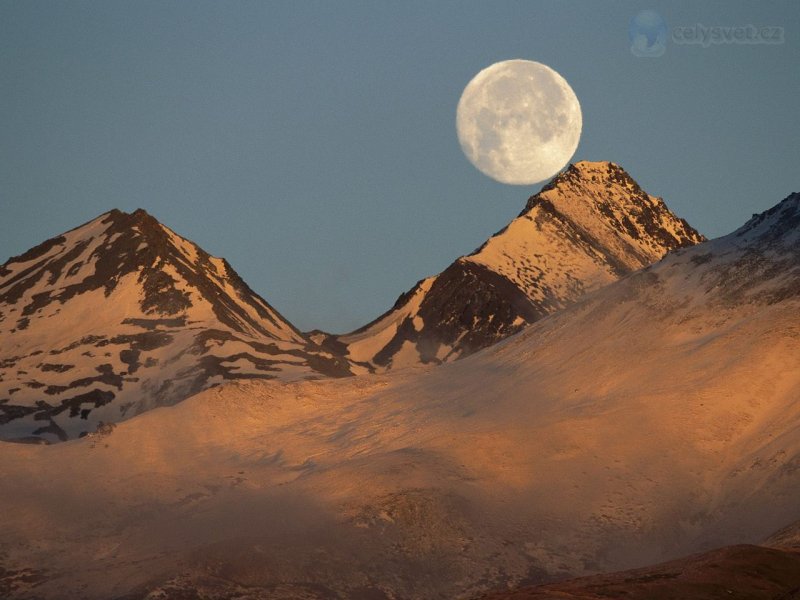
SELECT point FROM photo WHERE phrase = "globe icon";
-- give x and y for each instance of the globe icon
(648, 34)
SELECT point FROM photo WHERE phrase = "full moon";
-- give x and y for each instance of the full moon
(518, 122)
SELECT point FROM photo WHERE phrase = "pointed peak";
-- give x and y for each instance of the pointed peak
(603, 170)
(139, 215)
(605, 202)
(145, 221)
(138, 223)
(599, 166)
(116, 220)
(588, 173)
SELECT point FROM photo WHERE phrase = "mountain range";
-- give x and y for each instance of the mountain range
(649, 419)
(121, 314)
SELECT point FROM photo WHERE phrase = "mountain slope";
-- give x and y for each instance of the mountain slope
(653, 419)
(589, 226)
(742, 572)
(121, 315)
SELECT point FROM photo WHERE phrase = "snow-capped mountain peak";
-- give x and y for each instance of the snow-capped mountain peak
(122, 314)
(170, 269)
(597, 207)
(586, 228)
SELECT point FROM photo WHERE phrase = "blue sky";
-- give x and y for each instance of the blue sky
(313, 144)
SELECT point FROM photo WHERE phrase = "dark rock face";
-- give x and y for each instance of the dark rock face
(131, 316)
(469, 305)
(589, 226)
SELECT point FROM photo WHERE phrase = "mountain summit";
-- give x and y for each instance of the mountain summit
(121, 315)
(591, 225)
